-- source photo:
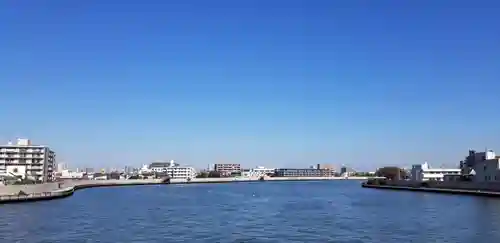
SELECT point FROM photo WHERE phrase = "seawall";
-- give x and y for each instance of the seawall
(250, 179)
(49, 191)
(466, 188)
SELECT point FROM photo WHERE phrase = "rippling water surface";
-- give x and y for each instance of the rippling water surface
(327, 211)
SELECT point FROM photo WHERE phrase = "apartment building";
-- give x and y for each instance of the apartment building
(227, 169)
(27, 161)
(311, 172)
(174, 170)
(257, 171)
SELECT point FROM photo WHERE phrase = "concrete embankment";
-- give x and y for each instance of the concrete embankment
(252, 179)
(48, 191)
(470, 191)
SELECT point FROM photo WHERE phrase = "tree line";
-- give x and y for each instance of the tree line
(392, 173)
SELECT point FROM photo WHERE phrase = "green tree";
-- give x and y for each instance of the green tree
(202, 174)
(392, 173)
(214, 174)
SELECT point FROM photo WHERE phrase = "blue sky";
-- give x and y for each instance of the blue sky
(274, 83)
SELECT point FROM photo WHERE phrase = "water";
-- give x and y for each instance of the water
(327, 211)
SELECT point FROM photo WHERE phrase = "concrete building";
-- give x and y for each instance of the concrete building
(68, 174)
(424, 172)
(257, 171)
(346, 171)
(286, 172)
(27, 161)
(227, 169)
(174, 170)
(482, 166)
(145, 169)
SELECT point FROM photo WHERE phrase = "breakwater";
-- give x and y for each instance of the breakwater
(49, 191)
(455, 187)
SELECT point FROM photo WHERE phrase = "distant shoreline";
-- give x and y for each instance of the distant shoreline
(41, 193)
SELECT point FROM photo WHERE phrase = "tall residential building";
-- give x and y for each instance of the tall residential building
(27, 161)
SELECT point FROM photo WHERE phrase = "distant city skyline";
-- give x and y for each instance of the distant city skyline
(272, 83)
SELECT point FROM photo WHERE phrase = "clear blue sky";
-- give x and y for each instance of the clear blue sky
(263, 82)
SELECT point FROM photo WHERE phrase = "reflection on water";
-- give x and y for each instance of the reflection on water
(327, 211)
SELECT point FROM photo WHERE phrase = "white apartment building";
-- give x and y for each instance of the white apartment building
(27, 161)
(68, 174)
(257, 171)
(174, 170)
(424, 172)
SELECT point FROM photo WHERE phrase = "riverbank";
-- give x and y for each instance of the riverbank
(432, 188)
(49, 191)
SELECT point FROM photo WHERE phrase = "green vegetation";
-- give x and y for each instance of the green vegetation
(210, 174)
(392, 173)
(380, 182)
(364, 174)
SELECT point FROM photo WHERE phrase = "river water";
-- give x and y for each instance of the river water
(325, 211)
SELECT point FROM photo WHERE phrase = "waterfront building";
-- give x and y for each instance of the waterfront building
(27, 161)
(310, 172)
(68, 174)
(145, 170)
(174, 170)
(346, 171)
(482, 166)
(257, 172)
(128, 170)
(423, 172)
(227, 169)
(343, 170)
